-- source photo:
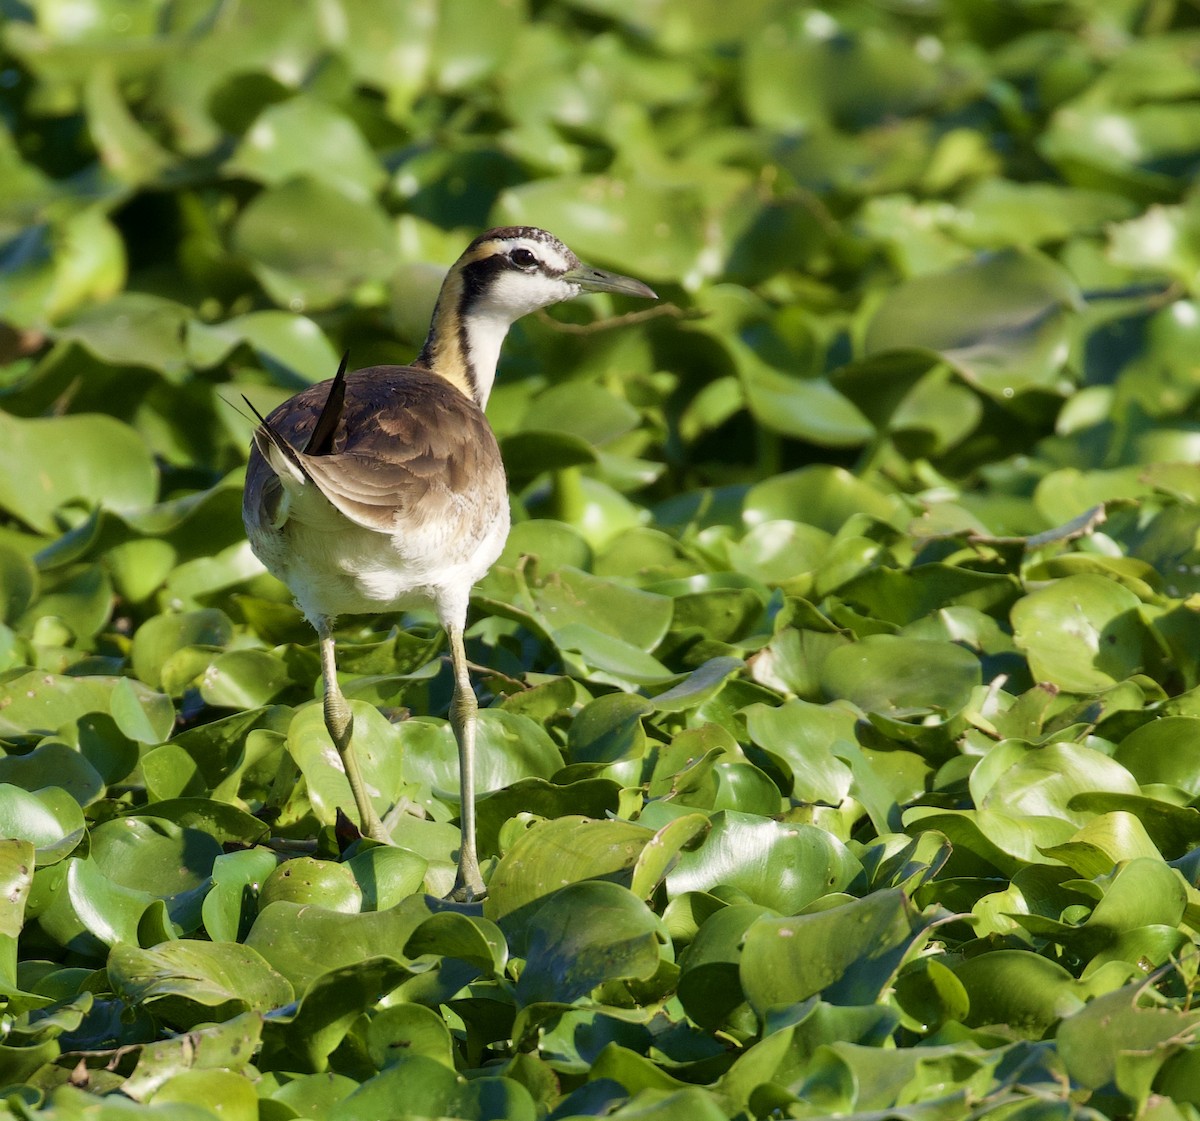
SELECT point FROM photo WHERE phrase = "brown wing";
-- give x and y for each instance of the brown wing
(408, 447)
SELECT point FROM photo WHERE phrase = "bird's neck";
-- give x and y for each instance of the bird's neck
(464, 342)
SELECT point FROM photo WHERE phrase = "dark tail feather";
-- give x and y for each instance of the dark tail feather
(264, 434)
(321, 440)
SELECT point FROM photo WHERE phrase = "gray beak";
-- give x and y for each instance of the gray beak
(597, 280)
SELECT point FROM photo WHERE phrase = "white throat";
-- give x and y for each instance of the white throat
(484, 335)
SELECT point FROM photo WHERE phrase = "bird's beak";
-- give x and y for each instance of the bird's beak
(597, 280)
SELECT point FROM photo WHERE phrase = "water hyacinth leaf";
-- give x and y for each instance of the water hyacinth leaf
(701, 685)
(88, 912)
(1081, 633)
(159, 858)
(142, 715)
(804, 735)
(510, 747)
(307, 137)
(386, 875)
(345, 242)
(1171, 830)
(895, 675)
(803, 408)
(746, 789)
(375, 744)
(18, 584)
(225, 1093)
(45, 702)
(1094, 1058)
(1164, 751)
(469, 938)
(662, 851)
(908, 596)
(224, 823)
(606, 654)
(93, 460)
(304, 879)
(1144, 892)
(577, 598)
(647, 239)
(53, 764)
(1019, 988)
(819, 496)
(428, 1089)
(553, 853)
(709, 985)
(188, 982)
(931, 994)
(530, 452)
(331, 1005)
(588, 411)
(49, 819)
(777, 552)
(408, 1029)
(1104, 841)
(1008, 331)
(165, 635)
(584, 935)
(594, 798)
(1043, 783)
(608, 729)
(292, 345)
(231, 903)
(996, 838)
(778, 865)
(849, 953)
(16, 878)
(226, 1046)
(244, 679)
(302, 942)
(799, 78)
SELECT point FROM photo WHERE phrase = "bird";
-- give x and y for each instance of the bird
(383, 489)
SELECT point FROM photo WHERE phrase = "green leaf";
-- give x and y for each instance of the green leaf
(330, 1007)
(307, 137)
(187, 982)
(898, 676)
(227, 1046)
(1081, 633)
(49, 819)
(310, 245)
(585, 935)
(1007, 332)
(92, 460)
(551, 854)
(849, 953)
(302, 942)
(819, 496)
(1028, 992)
(778, 865)
(305, 879)
(428, 1089)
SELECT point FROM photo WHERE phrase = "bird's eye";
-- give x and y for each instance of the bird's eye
(523, 258)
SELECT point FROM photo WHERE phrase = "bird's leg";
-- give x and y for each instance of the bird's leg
(464, 711)
(340, 723)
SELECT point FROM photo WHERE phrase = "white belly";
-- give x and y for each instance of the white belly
(335, 567)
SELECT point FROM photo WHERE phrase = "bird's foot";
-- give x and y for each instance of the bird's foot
(375, 831)
(464, 892)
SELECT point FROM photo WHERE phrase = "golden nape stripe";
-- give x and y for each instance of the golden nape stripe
(383, 489)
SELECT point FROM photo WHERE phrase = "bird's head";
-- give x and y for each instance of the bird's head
(508, 272)
(502, 275)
